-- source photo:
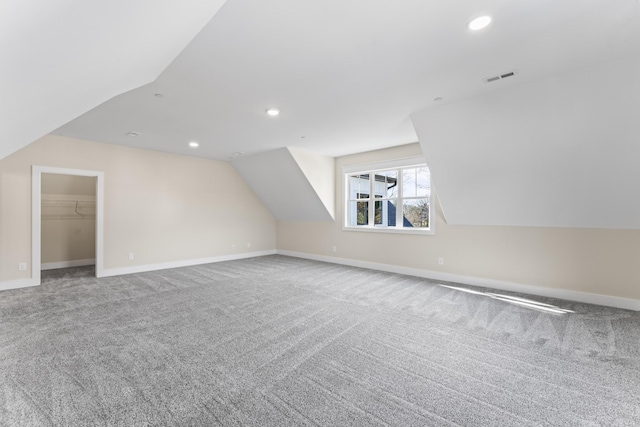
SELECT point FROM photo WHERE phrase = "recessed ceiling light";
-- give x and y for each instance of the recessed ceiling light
(438, 99)
(194, 144)
(237, 153)
(133, 133)
(273, 112)
(158, 95)
(479, 23)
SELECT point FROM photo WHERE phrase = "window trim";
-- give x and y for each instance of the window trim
(381, 166)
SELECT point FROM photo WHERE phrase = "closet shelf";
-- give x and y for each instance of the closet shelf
(68, 203)
(73, 217)
(68, 209)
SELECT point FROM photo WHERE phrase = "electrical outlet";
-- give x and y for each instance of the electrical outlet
(440, 261)
(248, 244)
(334, 249)
(130, 256)
(233, 246)
(22, 266)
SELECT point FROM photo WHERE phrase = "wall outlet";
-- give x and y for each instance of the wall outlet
(233, 246)
(22, 266)
(334, 249)
(130, 256)
(440, 261)
(248, 244)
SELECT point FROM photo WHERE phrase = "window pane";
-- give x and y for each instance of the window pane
(379, 185)
(354, 186)
(379, 213)
(423, 182)
(364, 185)
(415, 213)
(385, 213)
(409, 182)
(358, 186)
(392, 184)
(358, 213)
(391, 213)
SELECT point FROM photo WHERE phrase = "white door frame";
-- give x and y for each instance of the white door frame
(36, 190)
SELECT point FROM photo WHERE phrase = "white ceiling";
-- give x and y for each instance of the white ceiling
(558, 152)
(60, 58)
(346, 75)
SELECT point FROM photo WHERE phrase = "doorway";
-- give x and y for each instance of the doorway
(53, 197)
(68, 221)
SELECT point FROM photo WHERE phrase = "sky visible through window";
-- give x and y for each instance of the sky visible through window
(406, 189)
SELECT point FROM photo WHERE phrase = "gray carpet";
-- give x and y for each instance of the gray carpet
(277, 341)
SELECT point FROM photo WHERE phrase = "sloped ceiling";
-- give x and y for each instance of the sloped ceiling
(62, 58)
(282, 185)
(319, 170)
(347, 75)
(559, 152)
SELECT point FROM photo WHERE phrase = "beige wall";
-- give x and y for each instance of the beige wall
(165, 207)
(65, 234)
(68, 240)
(53, 183)
(161, 207)
(600, 261)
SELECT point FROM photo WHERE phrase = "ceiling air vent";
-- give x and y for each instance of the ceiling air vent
(500, 76)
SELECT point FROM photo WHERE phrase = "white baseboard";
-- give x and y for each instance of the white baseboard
(16, 284)
(67, 264)
(107, 272)
(585, 297)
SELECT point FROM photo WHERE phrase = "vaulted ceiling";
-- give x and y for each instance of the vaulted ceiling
(557, 152)
(62, 58)
(347, 76)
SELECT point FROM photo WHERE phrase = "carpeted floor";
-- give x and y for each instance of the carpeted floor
(278, 341)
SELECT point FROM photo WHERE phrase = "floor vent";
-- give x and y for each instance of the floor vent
(500, 77)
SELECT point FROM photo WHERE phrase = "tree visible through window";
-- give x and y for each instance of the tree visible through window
(397, 198)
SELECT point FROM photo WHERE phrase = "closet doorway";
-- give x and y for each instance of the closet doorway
(67, 221)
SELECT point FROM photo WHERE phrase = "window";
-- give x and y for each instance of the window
(397, 198)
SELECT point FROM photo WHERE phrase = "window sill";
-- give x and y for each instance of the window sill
(390, 230)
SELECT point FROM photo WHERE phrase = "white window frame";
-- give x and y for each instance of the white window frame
(372, 168)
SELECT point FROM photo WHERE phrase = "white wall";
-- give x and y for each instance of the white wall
(164, 208)
(282, 185)
(559, 152)
(319, 170)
